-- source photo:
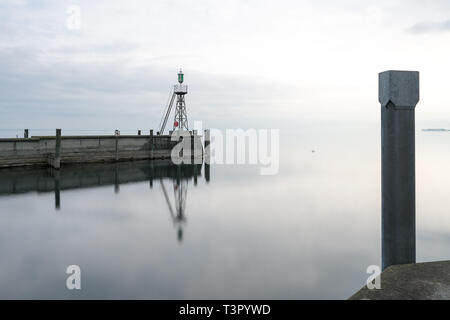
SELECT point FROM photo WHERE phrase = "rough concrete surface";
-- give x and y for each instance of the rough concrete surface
(416, 281)
(87, 149)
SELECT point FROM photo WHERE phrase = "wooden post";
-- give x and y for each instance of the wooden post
(139, 132)
(25, 133)
(151, 144)
(57, 159)
(117, 148)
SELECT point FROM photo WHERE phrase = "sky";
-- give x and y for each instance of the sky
(254, 63)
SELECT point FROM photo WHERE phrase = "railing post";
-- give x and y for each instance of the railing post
(398, 95)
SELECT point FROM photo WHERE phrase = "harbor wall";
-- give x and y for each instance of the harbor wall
(40, 150)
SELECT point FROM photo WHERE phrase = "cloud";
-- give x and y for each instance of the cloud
(101, 93)
(430, 27)
(242, 60)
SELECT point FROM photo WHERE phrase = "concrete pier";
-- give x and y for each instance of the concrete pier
(416, 281)
(398, 95)
(49, 150)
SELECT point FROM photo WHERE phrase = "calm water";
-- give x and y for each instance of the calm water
(308, 232)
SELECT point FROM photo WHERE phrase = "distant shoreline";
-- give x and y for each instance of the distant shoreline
(435, 130)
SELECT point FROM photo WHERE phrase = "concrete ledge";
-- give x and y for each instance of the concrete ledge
(38, 151)
(417, 281)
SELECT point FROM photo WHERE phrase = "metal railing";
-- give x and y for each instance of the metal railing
(180, 88)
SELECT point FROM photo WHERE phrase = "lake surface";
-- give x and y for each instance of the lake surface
(309, 232)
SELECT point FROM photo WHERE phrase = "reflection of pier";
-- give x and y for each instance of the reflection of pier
(23, 180)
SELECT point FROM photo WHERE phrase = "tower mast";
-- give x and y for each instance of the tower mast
(180, 121)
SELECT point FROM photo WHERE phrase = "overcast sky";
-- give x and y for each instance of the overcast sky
(247, 63)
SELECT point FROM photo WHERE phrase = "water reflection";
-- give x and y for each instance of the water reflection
(44, 180)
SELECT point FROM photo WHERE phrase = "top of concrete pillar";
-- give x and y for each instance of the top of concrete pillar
(399, 87)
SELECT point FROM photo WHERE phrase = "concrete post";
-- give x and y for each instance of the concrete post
(25, 133)
(57, 159)
(398, 95)
(139, 132)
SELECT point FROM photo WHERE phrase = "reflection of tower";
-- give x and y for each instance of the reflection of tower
(180, 193)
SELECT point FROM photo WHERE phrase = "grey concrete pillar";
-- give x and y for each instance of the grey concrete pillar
(25, 133)
(398, 95)
(57, 159)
